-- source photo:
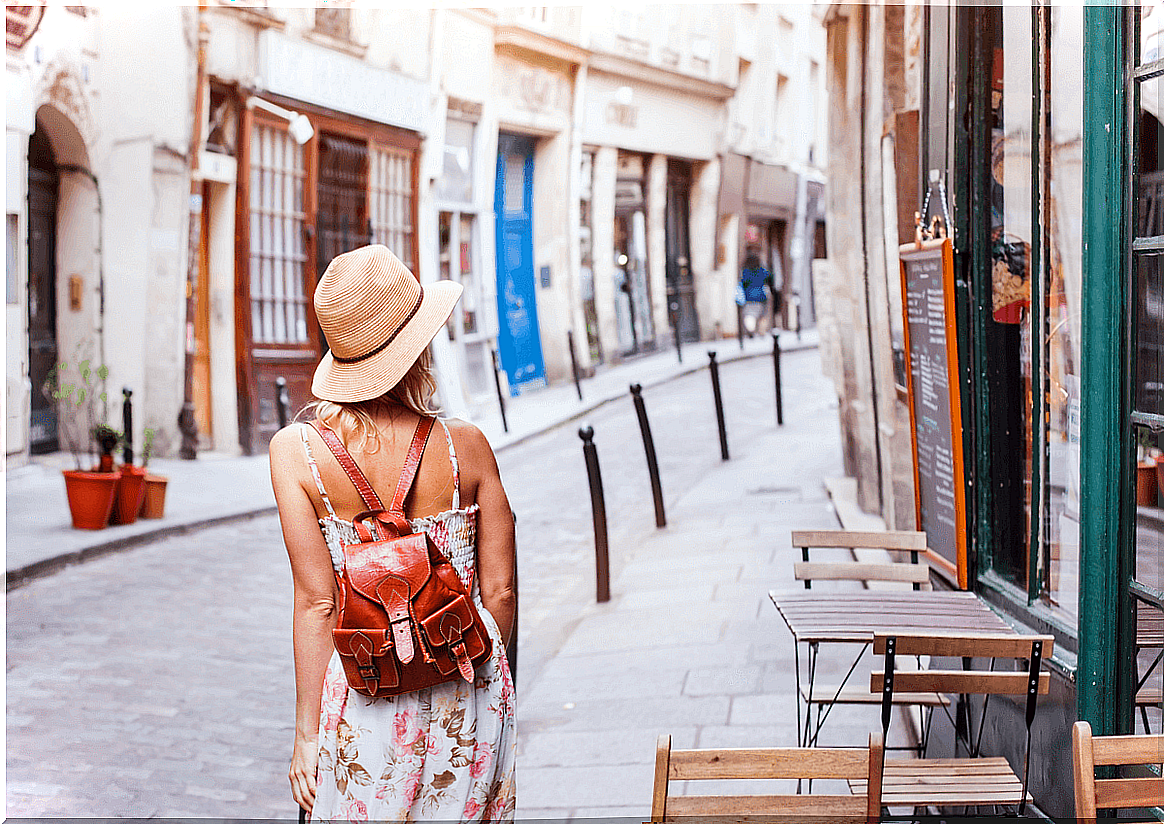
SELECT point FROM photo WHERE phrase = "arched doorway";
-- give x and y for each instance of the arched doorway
(43, 183)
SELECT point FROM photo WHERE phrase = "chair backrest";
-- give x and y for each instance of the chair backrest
(1032, 648)
(1032, 683)
(916, 572)
(771, 763)
(1092, 794)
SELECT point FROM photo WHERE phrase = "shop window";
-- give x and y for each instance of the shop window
(1007, 325)
(1062, 287)
(277, 255)
(390, 185)
(1146, 296)
(456, 181)
(586, 244)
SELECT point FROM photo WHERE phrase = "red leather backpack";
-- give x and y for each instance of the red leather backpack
(406, 621)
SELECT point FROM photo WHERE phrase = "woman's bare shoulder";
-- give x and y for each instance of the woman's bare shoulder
(473, 449)
(286, 450)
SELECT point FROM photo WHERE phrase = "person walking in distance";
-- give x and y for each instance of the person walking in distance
(753, 280)
(444, 752)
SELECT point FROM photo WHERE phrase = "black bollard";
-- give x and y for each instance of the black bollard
(127, 424)
(598, 505)
(779, 387)
(500, 395)
(674, 313)
(723, 448)
(649, 446)
(573, 361)
(740, 325)
(282, 402)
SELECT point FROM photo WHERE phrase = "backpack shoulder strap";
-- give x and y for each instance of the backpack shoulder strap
(348, 463)
(360, 481)
(411, 464)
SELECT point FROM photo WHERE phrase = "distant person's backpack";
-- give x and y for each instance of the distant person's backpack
(406, 621)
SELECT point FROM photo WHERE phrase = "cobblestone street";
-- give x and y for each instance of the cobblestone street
(158, 682)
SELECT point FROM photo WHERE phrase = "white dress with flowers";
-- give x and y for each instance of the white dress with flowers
(446, 752)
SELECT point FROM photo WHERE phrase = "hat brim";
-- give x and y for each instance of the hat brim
(372, 377)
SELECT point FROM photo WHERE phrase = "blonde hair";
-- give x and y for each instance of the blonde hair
(356, 420)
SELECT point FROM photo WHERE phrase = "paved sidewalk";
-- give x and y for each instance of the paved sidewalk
(218, 488)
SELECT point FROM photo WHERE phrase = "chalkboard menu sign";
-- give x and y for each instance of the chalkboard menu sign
(935, 407)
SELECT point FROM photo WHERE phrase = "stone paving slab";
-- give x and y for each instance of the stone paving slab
(604, 747)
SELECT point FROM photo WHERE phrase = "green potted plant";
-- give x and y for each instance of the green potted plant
(91, 489)
(153, 502)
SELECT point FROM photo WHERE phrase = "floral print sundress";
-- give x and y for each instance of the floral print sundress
(442, 753)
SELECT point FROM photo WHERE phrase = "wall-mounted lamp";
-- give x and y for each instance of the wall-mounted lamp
(624, 96)
(298, 126)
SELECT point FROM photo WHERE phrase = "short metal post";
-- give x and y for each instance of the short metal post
(649, 446)
(511, 650)
(598, 505)
(500, 395)
(779, 386)
(127, 424)
(574, 361)
(282, 402)
(673, 306)
(723, 447)
(740, 325)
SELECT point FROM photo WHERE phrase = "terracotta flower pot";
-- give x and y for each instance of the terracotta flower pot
(90, 497)
(129, 491)
(1145, 483)
(153, 501)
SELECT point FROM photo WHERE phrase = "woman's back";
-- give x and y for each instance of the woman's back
(381, 458)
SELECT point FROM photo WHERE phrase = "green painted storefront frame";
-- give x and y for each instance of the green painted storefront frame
(1104, 695)
(1103, 672)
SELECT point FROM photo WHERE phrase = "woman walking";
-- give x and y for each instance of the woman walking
(445, 752)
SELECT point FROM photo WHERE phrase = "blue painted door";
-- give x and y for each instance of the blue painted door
(518, 341)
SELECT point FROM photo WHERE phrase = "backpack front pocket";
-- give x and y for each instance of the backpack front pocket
(368, 658)
(456, 637)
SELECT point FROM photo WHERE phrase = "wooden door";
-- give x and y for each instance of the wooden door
(201, 373)
(518, 339)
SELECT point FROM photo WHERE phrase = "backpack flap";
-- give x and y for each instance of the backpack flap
(391, 573)
(455, 638)
(367, 658)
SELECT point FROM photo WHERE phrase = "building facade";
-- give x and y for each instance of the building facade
(1048, 184)
(174, 196)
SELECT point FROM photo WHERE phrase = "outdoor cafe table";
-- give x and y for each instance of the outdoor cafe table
(852, 617)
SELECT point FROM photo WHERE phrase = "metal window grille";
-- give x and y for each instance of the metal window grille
(277, 254)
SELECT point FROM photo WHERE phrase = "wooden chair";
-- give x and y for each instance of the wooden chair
(789, 763)
(960, 782)
(916, 572)
(1092, 794)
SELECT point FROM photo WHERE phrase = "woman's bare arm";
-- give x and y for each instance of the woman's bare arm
(495, 535)
(314, 610)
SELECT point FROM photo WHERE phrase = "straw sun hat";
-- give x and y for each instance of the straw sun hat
(377, 319)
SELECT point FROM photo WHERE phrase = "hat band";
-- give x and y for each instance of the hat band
(392, 337)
